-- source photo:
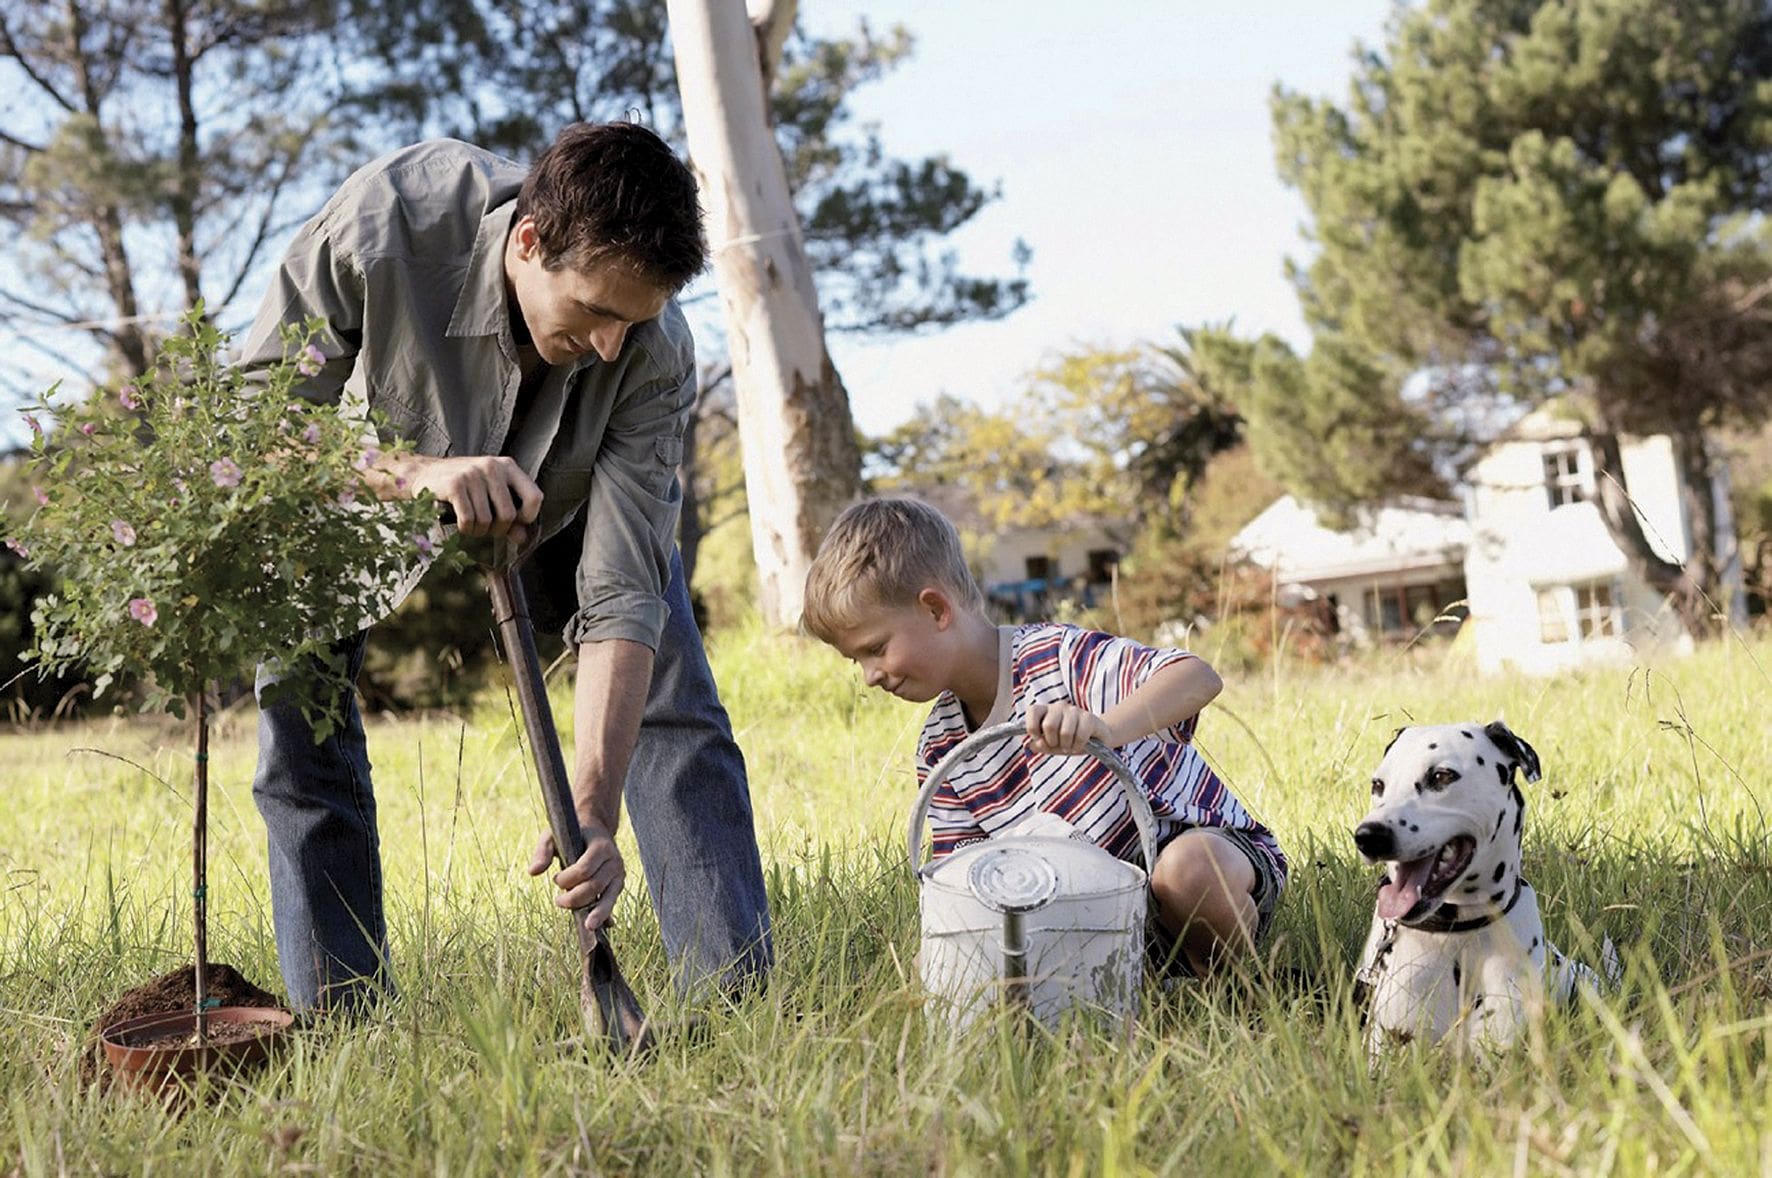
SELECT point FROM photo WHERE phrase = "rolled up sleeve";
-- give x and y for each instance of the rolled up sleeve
(631, 515)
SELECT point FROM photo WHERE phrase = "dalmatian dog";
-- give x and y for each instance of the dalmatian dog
(1457, 949)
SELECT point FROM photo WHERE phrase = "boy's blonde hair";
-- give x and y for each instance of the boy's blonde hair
(883, 552)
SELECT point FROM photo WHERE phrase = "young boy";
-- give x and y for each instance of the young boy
(890, 590)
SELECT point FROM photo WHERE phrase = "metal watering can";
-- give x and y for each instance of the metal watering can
(1047, 922)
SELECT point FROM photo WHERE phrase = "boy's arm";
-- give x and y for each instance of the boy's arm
(1172, 694)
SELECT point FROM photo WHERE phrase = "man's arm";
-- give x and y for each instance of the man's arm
(623, 571)
(608, 700)
(314, 281)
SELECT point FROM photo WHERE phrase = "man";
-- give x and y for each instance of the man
(519, 329)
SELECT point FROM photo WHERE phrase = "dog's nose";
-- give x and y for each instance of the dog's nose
(1375, 840)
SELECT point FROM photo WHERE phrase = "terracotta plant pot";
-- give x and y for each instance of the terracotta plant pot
(154, 1052)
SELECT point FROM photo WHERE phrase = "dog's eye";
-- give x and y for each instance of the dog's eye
(1443, 776)
(1377, 788)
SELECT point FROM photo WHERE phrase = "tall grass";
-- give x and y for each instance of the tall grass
(1648, 827)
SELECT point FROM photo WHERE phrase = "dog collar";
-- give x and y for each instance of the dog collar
(1445, 919)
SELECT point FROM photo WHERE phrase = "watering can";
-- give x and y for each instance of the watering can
(1045, 921)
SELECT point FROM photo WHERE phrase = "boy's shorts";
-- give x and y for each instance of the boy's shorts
(1163, 951)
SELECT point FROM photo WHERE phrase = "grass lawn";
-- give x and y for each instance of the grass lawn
(1647, 827)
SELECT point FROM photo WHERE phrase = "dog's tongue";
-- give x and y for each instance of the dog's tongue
(1402, 893)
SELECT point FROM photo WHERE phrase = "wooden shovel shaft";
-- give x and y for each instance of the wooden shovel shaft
(511, 609)
(610, 1010)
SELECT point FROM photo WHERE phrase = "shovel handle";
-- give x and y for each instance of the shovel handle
(510, 609)
(610, 1008)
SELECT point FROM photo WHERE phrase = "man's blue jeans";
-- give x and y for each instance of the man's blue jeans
(686, 798)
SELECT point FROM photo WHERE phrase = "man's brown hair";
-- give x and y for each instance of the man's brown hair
(616, 192)
(881, 553)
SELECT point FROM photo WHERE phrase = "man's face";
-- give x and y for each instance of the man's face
(571, 312)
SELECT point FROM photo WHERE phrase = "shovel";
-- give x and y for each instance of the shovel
(611, 1013)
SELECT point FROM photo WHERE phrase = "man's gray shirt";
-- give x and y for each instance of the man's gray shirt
(405, 265)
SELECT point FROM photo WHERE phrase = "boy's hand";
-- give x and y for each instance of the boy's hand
(1064, 729)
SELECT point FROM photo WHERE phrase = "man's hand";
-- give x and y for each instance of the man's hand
(1064, 729)
(593, 883)
(490, 495)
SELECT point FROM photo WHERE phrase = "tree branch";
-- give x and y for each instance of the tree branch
(772, 20)
(19, 143)
(12, 50)
(265, 225)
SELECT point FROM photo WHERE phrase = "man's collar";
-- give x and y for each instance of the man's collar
(483, 307)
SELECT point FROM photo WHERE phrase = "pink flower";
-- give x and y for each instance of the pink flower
(142, 610)
(87, 428)
(347, 497)
(127, 396)
(18, 547)
(369, 458)
(311, 435)
(425, 545)
(36, 426)
(122, 532)
(41, 498)
(311, 361)
(225, 472)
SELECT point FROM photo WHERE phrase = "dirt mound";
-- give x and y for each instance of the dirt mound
(177, 990)
(174, 990)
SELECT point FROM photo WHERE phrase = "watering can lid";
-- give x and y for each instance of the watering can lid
(1024, 874)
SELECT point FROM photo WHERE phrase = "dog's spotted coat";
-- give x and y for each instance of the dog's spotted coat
(1457, 947)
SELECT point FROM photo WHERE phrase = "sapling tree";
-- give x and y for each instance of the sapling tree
(201, 521)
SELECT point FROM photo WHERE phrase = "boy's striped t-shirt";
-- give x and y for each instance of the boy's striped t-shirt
(1001, 784)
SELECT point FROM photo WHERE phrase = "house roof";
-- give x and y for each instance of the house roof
(961, 508)
(1402, 535)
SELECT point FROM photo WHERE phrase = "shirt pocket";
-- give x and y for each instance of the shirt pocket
(415, 425)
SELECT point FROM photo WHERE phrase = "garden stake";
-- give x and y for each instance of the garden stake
(611, 1013)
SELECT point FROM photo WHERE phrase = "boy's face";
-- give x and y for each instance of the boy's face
(902, 649)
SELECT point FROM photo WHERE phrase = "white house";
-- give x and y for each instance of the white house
(1027, 571)
(1388, 578)
(1527, 555)
(1549, 587)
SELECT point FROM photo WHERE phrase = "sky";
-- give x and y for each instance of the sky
(1131, 143)
(1131, 140)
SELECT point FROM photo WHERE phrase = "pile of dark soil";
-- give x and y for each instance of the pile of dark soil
(173, 990)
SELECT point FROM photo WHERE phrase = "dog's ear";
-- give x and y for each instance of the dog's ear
(1515, 749)
(1393, 740)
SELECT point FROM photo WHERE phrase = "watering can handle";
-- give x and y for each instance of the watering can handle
(1136, 800)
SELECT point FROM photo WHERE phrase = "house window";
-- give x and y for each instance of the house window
(1566, 479)
(1596, 610)
(1404, 611)
(1585, 612)
(1041, 568)
(1101, 565)
(1553, 627)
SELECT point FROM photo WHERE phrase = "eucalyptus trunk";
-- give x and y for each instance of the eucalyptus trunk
(1695, 588)
(802, 463)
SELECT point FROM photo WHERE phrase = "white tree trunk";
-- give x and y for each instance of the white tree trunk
(801, 460)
